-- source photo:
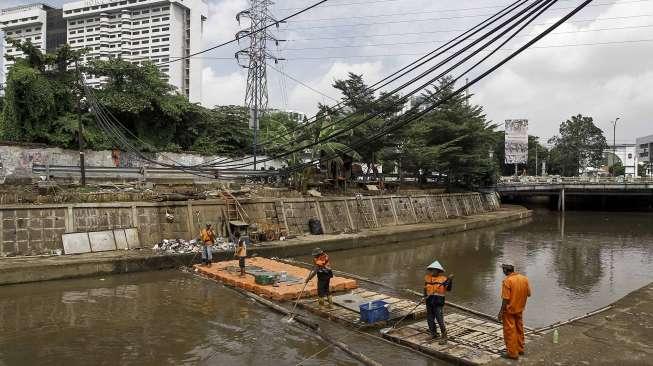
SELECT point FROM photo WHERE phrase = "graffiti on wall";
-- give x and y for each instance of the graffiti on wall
(124, 159)
(28, 158)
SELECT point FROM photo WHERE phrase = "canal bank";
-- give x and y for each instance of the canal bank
(621, 335)
(32, 269)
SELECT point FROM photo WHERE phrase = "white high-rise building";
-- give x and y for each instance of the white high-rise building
(159, 31)
(38, 23)
(142, 30)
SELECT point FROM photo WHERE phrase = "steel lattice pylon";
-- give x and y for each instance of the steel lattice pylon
(254, 59)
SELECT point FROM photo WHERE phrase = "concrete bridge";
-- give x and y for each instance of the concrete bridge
(561, 187)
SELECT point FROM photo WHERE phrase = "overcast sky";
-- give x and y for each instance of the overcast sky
(598, 64)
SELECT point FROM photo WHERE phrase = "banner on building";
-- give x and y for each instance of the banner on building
(516, 141)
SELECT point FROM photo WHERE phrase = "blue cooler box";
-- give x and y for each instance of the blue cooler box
(373, 312)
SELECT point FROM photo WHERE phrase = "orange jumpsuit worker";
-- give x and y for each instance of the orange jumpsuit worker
(514, 292)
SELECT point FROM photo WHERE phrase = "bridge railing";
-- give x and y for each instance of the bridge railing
(556, 179)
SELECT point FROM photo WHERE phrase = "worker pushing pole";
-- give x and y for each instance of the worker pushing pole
(322, 268)
(436, 284)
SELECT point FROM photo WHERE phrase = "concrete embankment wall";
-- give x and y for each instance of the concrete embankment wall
(37, 229)
(30, 269)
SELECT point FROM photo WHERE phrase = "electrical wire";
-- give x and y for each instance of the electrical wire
(236, 39)
(424, 11)
(425, 111)
(529, 10)
(421, 61)
(458, 30)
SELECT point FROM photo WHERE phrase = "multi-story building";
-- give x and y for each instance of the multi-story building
(159, 31)
(645, 154)
(40, 24)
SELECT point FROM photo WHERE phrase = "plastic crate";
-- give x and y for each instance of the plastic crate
(264, 279)
(375, 311)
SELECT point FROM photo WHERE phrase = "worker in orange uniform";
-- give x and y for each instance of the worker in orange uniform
(240, 253)
(322, 268)
(436, 284)
(207, 236)
(515, 290)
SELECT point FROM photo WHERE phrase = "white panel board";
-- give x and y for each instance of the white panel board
(76, 243)
(102, 241)
(132, 238)
(121, 239)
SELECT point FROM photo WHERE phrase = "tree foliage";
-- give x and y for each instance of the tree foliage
(454, 140)
(580, 145)
(43, 103)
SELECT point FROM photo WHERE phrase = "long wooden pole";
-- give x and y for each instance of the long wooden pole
(306, 322)
(360, 278)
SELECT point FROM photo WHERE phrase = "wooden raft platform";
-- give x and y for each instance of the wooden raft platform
(472, 340)
(349, 314)
(228, 273)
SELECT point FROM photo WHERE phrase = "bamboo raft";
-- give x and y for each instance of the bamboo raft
(472, 340)
(349, 314)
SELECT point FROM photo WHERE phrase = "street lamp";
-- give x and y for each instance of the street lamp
(614, 143)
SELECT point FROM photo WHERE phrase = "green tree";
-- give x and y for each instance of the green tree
(224, 130)
(454, 140)
(533, 145)
(361, 103)
(580, 145)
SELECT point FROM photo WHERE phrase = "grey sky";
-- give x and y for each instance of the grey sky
(607, 73)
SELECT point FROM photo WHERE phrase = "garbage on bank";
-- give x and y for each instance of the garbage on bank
(189, 246)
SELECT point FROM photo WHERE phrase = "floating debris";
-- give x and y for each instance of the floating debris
(188, 246)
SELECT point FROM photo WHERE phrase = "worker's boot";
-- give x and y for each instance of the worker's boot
(443, 340)
(330, 298)
(320, 301)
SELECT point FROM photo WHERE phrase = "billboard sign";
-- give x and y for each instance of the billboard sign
(516, 147)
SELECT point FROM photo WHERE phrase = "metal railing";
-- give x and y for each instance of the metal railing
(558, 180)
(61, 171)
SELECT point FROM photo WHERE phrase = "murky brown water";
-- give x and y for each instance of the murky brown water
(171, 318)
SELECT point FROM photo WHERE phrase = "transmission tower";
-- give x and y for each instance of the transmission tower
(254, 59)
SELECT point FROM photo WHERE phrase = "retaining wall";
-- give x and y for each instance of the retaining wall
(37, 229)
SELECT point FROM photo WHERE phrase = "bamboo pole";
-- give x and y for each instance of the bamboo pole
(360, 278)
(313, 326)
(306, 322)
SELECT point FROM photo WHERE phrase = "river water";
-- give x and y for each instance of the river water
(576, 263)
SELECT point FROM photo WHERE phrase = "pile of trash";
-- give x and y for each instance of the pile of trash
(188, 246)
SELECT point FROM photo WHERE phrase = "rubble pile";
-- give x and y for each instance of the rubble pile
(188, 246)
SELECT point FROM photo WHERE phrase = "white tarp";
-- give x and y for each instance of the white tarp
(516, 141)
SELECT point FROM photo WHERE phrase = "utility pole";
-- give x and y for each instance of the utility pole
(256, 56)
(80, 127)
(536, 146)
(614, 144)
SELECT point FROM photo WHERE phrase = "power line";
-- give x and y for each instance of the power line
(302, 83)
(344, 57)
(242, 35)
(452, 30)
(407, 21)
(442, 41)
(419, 12)
(423, 112)
(431, 55)
(537, 8)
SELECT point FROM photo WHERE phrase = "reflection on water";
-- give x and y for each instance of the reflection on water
(159, 318)
(575, 265)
